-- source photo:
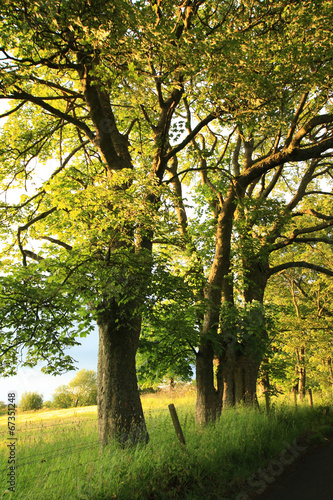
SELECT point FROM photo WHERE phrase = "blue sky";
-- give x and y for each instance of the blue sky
(32, 379)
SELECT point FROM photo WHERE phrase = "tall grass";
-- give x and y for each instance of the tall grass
(58, 455)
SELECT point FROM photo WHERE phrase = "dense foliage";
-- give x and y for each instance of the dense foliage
(161, 164)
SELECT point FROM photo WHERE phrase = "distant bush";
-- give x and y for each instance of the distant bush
(62, 397)
(48, 404)
(31, 401)
(84, 388)
(3, 408)
(81, 391)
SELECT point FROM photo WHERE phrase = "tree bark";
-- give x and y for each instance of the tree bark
(242, 359)
(206, 392)
(120, 413)
(208, 405)
(301, 370)
(239, 374)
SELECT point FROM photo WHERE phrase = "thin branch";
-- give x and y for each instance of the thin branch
(57, 86)
(310, 125)
(56, 242)
(52, 98)
(277, 142)
(306, 179)
(148, 120)
(311, 211)
(192, 348)
(308, 193)
(157, 83)
(62, 166)
(69, 157)
(13, 110)
(271, 185)
(40, 193)
(133, 122)
(225, 147)
(47, 61)
(295, 119)
(25, 227)
(33, 255)
(199, 169)
(313, 229)
(191, 136)
(310, 298)
(36, 219)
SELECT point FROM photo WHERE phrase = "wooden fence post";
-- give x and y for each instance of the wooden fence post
(176, 424)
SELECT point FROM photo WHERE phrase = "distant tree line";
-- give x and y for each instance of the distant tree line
(81, 391)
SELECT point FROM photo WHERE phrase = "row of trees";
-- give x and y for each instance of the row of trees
(191, 163)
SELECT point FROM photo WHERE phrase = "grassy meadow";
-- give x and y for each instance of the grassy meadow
(58, 456)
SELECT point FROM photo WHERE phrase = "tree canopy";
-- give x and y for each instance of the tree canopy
(124, 113)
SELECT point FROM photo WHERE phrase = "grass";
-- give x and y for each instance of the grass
(58, 455)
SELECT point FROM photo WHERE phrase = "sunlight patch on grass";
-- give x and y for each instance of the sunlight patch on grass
(51, 414)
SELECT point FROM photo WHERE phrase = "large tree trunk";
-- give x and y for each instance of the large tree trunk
(208, 399)
(208, 404)
(241, 360)
(239, 375)
(120, 414)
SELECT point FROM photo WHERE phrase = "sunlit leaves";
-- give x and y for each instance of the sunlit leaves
(303, 321)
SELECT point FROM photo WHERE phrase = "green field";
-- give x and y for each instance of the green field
(58, 456)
